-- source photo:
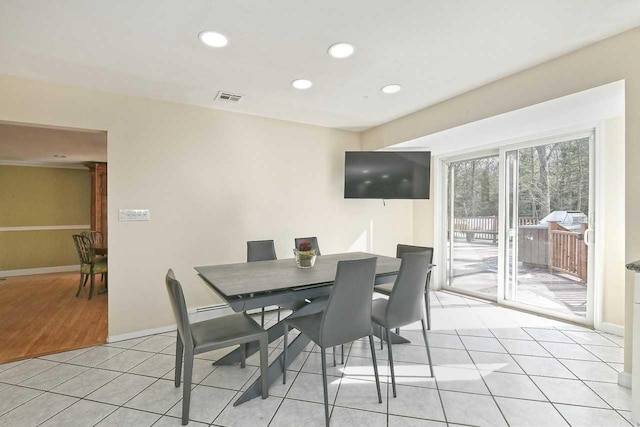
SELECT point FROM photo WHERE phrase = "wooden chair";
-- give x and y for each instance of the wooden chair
(89, 264)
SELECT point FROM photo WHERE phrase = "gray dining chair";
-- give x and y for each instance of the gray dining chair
(386, 288)
(213, 334)
(404, 306)
(261, 250)
(265, 250)
(312, 240)
(346, 318)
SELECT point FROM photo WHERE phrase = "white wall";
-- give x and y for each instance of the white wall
(212, 180)
(613, 186)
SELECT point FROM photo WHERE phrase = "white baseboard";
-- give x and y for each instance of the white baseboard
(43, 270)
(624, 379)
(197, 314)
(611, 328)
(138, 334)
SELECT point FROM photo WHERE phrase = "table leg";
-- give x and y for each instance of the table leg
(274, 332)
(275, 369)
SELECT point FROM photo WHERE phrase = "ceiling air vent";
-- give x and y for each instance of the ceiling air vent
(228, 97)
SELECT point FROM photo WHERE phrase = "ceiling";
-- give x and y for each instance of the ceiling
(435, 49)
(21, 144)
(576, 112)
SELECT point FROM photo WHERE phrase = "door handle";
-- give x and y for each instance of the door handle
(588, 237)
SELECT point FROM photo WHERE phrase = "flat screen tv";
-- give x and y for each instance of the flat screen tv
(387, 174)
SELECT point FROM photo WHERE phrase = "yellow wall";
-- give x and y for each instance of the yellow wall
(34, 196)
(604, 62)
(212, 180)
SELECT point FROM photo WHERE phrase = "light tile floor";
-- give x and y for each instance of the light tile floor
(493, 367)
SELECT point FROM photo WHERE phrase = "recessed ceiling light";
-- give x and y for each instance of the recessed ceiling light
(367, 182)
(341, 50)
(302, 84)
(213, 39)
(391, 89)
(365, 171)
(59, 156)
(385, 176)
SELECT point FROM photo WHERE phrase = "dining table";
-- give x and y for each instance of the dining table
(254, 285)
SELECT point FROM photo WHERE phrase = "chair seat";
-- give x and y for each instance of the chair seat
(308, 325)
(99, 267)
(384, 289)
(379, 311)
(225, 330)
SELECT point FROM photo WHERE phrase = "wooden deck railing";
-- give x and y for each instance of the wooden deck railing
(568, 252)
(555, 247)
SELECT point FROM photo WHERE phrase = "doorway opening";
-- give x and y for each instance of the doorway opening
(53, 187)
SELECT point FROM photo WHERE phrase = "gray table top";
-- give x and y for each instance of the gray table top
(268, 276)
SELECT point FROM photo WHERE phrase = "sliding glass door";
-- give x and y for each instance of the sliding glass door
(518, 225)
(549, 213)
(472, 225)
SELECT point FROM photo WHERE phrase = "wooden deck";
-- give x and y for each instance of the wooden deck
(40, 315)
(476, 269)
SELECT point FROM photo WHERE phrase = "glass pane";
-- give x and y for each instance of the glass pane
(552, 209)
(473, 224)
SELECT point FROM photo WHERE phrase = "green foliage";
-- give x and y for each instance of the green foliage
(550, 177)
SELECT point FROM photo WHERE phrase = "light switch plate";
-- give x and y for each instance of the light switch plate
(134, 215)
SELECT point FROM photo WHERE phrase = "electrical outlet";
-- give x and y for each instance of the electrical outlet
(134, 215)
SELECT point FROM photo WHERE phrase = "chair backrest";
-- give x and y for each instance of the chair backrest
(261, 250)
(84, 248)
(179, 306)
(405, 301)
(347, 316)
(96, 237)
(405, 249)
(312, 240)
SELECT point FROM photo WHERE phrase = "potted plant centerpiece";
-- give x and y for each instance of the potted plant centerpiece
(305, 255)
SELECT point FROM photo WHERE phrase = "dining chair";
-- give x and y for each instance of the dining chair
(265, 250)
(213, 334)
(96, 237)
(89, 264)
(346, 318)
(404, 306)
(386, 288)
(312, 240)
(261, 250)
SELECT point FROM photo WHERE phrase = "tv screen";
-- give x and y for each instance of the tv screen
(387, 174)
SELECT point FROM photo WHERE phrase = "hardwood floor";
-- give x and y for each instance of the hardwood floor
(41, 315)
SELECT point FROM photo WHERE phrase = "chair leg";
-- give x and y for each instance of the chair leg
(243, 355)
(279, 313)
(324, 386)
(284, 353)
(179, 351)
(334, 356)
(375, 366)
(427, 306)
(426, 343)
(381, 339)
(342, 354)
(80, 285)
(186, 386)
(262, 318)
(93, 280)
(264, 365)
(86, 277)
(393, 375)
(397, 331)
